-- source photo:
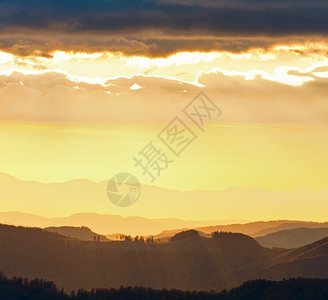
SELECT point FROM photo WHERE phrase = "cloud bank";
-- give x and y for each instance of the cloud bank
(157, 27)
(53, 98)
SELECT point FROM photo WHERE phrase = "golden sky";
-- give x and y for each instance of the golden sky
(81, 97)
(79, 115)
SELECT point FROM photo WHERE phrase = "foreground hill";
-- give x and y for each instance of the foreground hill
(308, 261)
(293, 238)
(192, 263)
(292, 289)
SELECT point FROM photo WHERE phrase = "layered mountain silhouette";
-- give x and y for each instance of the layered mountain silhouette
(114, 225)
(192, 262)
(104, 224)
(259, 229)
(226, 206)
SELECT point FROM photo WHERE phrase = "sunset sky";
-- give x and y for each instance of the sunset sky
(86, 85)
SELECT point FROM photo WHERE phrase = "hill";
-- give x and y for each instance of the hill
(82, 233)
(184, 235)
(292, 238)
(307, 261)
(291, 225)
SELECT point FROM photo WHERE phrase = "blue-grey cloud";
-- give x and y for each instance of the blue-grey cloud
(157, 27)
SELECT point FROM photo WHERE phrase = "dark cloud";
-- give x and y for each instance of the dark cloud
(156, 28)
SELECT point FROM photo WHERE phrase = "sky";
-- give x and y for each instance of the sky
(85, 86)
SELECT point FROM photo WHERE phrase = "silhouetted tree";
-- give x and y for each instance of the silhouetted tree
(128, 238)
(150, 240)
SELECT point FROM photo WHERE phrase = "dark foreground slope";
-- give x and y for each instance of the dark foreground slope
(308, 261)
(292, 289)
(194, 263)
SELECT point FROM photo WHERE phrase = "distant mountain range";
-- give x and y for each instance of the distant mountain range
(258, 230)
(112, 226)
(227, 206)
(198, 262)
(104, 224)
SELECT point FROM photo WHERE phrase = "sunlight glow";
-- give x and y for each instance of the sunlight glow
(5, 57)
(135, 87)
(185, 67)
(181, 58)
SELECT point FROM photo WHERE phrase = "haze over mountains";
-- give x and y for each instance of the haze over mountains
(102, 224)
(159, 228)
(226, 206)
